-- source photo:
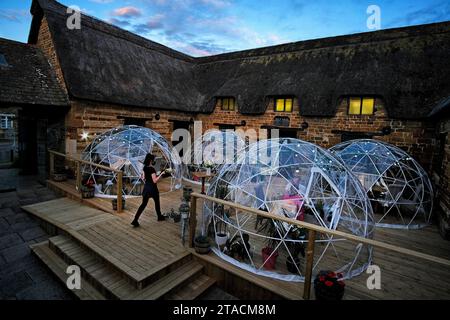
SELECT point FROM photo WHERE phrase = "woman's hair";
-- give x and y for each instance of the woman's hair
(149, 158)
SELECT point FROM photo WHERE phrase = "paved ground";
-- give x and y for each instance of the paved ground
(22, 276)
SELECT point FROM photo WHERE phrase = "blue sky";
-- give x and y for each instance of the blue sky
(204, 27)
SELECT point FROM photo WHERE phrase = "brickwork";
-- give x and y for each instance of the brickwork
(45, 43)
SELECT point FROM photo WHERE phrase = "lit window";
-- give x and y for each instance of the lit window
(283, 104)
(3, 61)
(227, 103)
(361, 105)
(6, 121)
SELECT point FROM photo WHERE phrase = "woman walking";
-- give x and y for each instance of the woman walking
(150, 189)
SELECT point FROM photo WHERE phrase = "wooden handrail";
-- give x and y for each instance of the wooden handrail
(78, 169)
(84, 161)
(313, 229)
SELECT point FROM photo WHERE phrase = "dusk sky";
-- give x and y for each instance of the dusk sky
(204, 27)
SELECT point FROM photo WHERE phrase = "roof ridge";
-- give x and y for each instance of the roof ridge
(334, 41)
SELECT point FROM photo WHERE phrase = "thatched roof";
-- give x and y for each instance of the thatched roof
(407, 67)
(104, 63)
(28, 78)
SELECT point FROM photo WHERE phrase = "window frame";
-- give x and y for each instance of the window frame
(285, 98)
(228, 98)
(3, 61)
(361, 99)
(6, 121)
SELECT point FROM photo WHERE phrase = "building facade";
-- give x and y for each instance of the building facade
(381, 85)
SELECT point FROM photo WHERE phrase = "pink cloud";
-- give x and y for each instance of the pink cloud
(127, 12)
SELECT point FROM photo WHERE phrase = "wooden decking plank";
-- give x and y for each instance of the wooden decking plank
(169, 282)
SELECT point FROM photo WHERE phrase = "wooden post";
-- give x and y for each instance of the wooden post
(78, 176)
(309, 264)
(192, 220)
(119, 191)
(52, 164)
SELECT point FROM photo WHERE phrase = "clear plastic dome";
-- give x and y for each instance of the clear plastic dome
(215, 148)
(124, 148)
(398, 187)
(295, 179)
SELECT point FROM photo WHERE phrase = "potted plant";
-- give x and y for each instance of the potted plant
(176, 216)
(296, 249)
(221, 236)
(238, 247)
(208, 164)
(269, 253)
(329, 285)
(202, 245)
(88, 189)
(59, 175)
(114, 203)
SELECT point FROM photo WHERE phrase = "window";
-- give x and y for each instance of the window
(361, 105)
(3, 61)
(6, 121)
(227, 103)
(283, 104)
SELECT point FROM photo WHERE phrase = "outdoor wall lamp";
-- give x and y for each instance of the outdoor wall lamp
(243, 123)
(157, 116)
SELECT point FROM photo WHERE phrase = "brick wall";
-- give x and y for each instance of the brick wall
(415, 137)
(45, 43)
(441, 170)
(95, 118)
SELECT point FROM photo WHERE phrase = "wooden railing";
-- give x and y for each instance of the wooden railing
(313, 230)
(78, 162)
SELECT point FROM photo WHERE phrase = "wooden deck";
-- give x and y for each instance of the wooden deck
(151, 262)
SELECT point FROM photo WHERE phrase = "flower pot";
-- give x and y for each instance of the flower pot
(269, 263)
(59, 177)
(187, 193)
(221, 239)
(327, 286)
(293, 266)
(177, 218)
(87, 192)
(208, 171)
(114, 204)
(202, 247)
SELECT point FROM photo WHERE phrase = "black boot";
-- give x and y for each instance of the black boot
(135, 223)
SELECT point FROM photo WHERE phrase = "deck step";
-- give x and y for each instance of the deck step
(59, 267)
(193, 289)
(172, 281)
(112, 283)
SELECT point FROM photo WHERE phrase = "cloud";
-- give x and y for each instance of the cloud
(12, 15)
(433, 13)
(216, 3)
(153, 23)
(102, 1)
(118, 22)
(127, 12)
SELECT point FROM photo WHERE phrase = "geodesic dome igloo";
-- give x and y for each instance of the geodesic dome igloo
(398, 187)
(124, 148)
(218, 147)
(294, 179)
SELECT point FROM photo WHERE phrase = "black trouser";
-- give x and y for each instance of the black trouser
(145, 198)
